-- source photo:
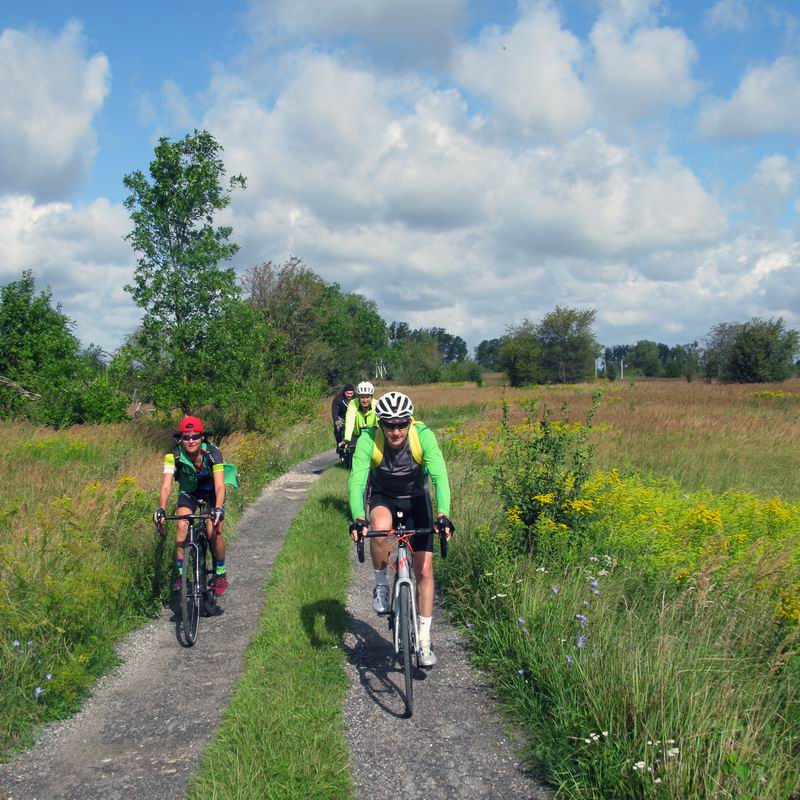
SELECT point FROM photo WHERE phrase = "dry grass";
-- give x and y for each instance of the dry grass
(702, 435)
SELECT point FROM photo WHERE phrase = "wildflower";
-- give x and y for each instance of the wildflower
(594, 737)
(588, 741)
(593, 583)
(30, 642)
(525, 630)
(672, 752)
(670, 741)
(15, 643)
(593, 558)
(568, 660)
(520, 671)
(605, 733)
(580, 642)
(639, 765)
(541, 569)
(37, 692)
(586, 602)
(520, 620)
(582, 619)
(49, 676)
(596, 592)
(494, 596)
(554, 589)
(470, 624)
(657, 780)
(602, 572)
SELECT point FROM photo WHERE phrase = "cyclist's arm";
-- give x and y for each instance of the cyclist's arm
(359, 474)
(335, 413)
(434, 463)
(218, 472)
(166, 481)
(349, 422)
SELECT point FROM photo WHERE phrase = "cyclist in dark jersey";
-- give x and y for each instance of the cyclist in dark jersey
(398, 459)
(198, 466)
(339, 410)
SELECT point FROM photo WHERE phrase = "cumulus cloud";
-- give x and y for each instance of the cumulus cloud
(638, 73)
(51, 92)
(529, 74)
(728, 15)
(767, 194)
(401, 31)
(80, 253)
(766, 101)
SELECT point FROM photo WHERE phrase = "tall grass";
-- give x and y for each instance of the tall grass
(634, 678)
(81, 564)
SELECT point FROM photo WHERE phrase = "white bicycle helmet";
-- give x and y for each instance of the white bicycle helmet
(394, 406)
(365, 389)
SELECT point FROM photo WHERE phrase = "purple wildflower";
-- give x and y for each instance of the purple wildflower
(569, 660)
(37, 692)
(49, 676)
(520, 620)
(554, 589)
(580, 642)
(582, 619)
(593, 583)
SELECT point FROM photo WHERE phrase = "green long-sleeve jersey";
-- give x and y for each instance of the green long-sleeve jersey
(398, 474)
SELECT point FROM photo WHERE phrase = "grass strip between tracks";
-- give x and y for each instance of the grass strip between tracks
(282, 734)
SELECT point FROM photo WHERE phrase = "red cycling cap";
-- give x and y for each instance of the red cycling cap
(191, 424)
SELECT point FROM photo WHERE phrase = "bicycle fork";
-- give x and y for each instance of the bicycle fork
(404, 578)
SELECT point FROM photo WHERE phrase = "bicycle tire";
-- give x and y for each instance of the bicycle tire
(190, 595)
(209, 595)
(406, 649)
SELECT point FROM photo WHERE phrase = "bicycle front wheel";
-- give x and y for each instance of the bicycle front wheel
(190, 593)
(406, 649)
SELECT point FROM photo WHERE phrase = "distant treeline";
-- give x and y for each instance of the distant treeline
(257, 352)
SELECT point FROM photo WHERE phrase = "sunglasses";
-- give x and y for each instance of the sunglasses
(394, 426)
(191, 437)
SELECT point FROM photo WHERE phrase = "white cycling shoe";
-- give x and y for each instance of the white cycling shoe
(380, 599)
(426, 656)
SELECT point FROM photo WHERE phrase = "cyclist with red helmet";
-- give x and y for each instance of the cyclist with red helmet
(398, 459)
(198, 466)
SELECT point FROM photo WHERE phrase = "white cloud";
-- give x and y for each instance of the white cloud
(80, 252)
(766, 101)
(637, 74)
(404, 31)
(530, 75)
(767, 194)
(177, 105)
(51, 92)
(728, 15)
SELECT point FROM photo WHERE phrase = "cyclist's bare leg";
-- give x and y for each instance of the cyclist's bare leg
(217, 540)
(380, 519)
(181, 530)
(423, 569)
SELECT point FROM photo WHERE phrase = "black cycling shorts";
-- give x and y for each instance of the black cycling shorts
(417, 513)
(186, 500)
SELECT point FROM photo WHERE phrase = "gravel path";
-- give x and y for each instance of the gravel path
(145, 726)
(454, 746)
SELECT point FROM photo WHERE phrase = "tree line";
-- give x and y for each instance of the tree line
(250, 351)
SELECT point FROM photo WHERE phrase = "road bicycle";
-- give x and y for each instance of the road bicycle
(198, 578)
(402, 616)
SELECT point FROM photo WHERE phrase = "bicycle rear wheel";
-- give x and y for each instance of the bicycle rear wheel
(406, 648)
(190, 593)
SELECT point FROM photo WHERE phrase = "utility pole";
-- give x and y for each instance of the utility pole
(622, 369)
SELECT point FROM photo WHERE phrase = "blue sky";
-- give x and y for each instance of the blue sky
(465, 164)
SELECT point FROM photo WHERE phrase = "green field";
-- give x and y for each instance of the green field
(640, 628)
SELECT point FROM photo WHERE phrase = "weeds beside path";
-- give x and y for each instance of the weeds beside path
(142, 732)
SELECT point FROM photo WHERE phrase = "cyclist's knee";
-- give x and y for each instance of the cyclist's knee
(423, 567)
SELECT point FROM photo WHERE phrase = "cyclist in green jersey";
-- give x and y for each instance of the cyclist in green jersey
(360, 414)
(397, 460)
(200, 470)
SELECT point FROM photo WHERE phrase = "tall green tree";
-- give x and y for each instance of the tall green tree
(568, 345)
(486, 353)
(43, 374)
(178, 281)
(757, 351)
(520, 354)
(646, 356)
